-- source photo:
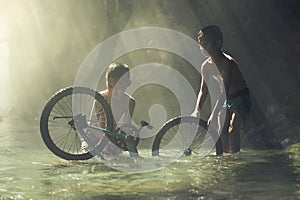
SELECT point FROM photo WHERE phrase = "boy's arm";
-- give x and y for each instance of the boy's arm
(131, 107)
(201, 95)
(128, 116)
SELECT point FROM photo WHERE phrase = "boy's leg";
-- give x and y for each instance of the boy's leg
(224, 131)
(234, 133)
(215, 132)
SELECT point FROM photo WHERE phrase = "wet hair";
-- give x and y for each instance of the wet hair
(117, 70)
(213, 32)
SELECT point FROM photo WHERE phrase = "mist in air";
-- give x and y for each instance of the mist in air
(43, 43)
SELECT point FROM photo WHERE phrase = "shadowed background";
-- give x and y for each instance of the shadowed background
(43, 43)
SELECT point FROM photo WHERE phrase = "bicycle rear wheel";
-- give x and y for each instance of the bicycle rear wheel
(57, 125)
(182, 136)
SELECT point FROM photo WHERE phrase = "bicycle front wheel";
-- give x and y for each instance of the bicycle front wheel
(57, 126)
(182, 136)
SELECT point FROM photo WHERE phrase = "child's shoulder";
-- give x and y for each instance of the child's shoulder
(229, 59)
(207, 61)
(130, 100)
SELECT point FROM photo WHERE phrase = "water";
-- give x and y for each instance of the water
(28, 170)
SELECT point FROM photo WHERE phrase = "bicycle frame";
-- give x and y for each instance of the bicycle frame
(80, 125)
(63, 138)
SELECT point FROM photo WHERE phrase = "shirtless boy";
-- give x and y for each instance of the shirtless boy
(117, 80)
(121, 103)
(236, 103)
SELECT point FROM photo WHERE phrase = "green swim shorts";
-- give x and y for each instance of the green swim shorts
(239, 103)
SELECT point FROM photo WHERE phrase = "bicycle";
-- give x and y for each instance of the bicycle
(70, 118)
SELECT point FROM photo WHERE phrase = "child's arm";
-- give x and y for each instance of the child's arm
(128, 115)
(202, 94)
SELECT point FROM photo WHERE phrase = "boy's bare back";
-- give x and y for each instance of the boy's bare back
(229, 69)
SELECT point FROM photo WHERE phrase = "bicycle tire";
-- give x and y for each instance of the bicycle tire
(173, 135)
(59, 136)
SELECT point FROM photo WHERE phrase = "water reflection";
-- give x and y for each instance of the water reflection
(28, 170)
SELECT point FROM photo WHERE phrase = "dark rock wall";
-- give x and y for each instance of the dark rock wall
(48, 40)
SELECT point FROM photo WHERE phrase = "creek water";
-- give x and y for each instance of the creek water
(28, 170)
